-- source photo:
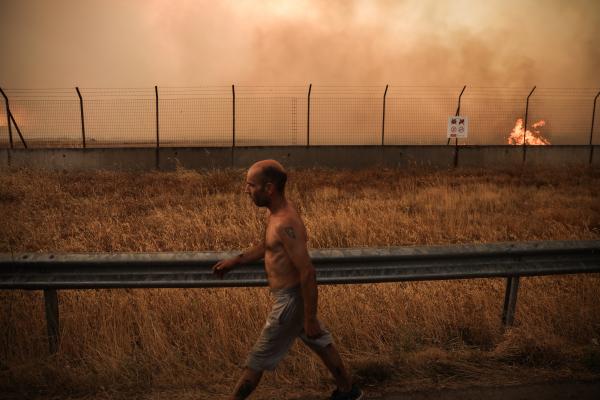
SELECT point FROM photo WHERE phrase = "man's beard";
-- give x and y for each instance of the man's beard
(261, 201)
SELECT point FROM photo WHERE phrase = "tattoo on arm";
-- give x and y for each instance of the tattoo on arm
(290, 232)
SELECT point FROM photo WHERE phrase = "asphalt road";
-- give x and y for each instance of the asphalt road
(589, 390)
(549, 391)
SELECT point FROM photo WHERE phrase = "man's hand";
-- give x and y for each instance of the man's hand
(312, 328)
(223, 266)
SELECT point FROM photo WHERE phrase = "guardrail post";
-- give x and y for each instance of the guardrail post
(308, 116)
(383, 117)
(525, 125)
(10, 137)
(82, 119)
(592, 128)
(52, 321)
(510, 300)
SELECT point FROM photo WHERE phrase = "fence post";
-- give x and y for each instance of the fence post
(458, 107)
(52, 321)
(510, 300)
(459, 98)
(525, 125)
(8, 114)
(82, 119)
(157, 149)
(457, 114)
(308, 117)
(12, 117)
(233, 114)
(592, 128)
(383, 118)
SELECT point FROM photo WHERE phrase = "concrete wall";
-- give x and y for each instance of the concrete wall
(304, 157)
(141, 159)
(490, 156)
(560, 156)
(80, 159)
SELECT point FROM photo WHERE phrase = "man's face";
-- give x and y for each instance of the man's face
(256, 189)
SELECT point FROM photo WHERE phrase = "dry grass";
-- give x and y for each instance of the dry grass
(414, 334)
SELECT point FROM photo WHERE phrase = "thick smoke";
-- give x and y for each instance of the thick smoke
(186, 43)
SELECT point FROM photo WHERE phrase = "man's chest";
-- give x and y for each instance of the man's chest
(272, 240)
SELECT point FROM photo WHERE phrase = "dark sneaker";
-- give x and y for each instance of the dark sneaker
(354, 394)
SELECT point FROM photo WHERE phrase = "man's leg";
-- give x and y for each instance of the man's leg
(332, 360)
(247, 383)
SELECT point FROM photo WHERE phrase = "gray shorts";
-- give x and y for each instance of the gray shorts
(284, 324)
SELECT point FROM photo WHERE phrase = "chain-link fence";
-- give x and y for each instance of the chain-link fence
(312, 115)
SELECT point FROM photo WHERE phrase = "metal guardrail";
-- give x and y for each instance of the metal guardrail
(51, 272)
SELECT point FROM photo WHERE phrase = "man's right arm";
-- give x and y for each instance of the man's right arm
(255, 253)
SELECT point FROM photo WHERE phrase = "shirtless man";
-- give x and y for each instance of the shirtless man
(292, 280)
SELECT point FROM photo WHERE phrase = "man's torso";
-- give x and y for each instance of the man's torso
(281, 273)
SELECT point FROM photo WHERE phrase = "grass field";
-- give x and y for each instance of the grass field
(409, 335)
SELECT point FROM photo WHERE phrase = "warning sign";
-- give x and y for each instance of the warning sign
(458, 127)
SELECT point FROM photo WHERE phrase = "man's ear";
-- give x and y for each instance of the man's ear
(269, 187)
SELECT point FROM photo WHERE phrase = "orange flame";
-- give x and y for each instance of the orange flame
(533, 137)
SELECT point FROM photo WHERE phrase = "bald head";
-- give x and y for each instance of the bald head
(270, 171)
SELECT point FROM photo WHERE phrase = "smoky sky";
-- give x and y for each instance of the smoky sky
(138, 43)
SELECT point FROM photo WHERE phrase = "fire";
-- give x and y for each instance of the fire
(533, 137)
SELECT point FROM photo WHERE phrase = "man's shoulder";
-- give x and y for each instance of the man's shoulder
(290, 218)
(287, 225)
(282, 217)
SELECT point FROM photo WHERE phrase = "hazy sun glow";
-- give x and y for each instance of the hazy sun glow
(278, 8)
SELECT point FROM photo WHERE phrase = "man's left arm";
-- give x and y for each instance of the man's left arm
(295, 248)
